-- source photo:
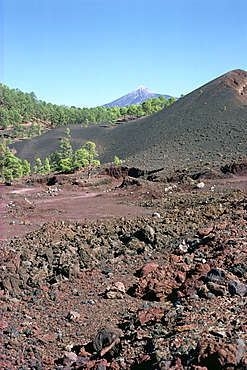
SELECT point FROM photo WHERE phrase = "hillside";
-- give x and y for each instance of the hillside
(136, 97)
(209, 125)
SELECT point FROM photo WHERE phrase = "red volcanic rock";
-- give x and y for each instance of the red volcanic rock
(201, 269)
(66, 266)
(239, 168)
(46, 338)
(142, 358)
(152, 314)
(217, 354)
(204, 231)
(148, 268)
(3, 324)
(159, 283)
(192, 283)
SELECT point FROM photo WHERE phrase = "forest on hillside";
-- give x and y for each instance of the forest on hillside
(23, 116)
(18, 109)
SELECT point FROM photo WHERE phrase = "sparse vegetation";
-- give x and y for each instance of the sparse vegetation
(117, 161)
(67, 132)
(68, 162)
(11, 167)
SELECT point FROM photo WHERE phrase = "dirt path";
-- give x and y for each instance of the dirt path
(24, 209)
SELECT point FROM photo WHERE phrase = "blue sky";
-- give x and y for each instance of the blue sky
(89, 52)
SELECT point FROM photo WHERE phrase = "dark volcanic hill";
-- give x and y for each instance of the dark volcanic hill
(208, 125)
(136, 97)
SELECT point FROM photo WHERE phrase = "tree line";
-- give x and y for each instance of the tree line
(18, 108)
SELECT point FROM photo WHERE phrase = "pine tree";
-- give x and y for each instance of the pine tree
(67, 132)
(66, 165)
(46, 167)
(38, 168)
(90, 147)
(66, 150)
(26, 167)
(80, 158)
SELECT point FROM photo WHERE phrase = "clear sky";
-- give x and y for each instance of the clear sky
(89, 52)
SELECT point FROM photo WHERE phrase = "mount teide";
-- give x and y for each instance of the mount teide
(208, 125)
(136, 97)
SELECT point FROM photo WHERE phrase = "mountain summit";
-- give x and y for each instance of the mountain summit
(136, 97)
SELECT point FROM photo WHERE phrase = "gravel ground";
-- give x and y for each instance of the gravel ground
(172, 281)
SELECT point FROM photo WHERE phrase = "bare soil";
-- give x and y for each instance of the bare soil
(26, 208)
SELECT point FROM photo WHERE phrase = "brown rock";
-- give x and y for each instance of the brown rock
(3, 324)
(116, 291)
(204, 231)
(237, 288)
(160, 282)
(152, 314)
(218, 290)
(46, 338)
(216, 354)
(149, 267)
(142, 358)
(191, 285)
(183, 328)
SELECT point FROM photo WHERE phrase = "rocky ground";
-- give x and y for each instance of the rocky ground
(133, 273)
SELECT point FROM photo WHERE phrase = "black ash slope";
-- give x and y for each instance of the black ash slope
(208, 124)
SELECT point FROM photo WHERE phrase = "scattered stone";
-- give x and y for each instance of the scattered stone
(69, 358)
(240, 350)
(179, 299)
(73, 315)
(46, 338)
(216, 289)
(106, 338)
(156, 214)
(150, 315)
(183, 247)
(204, 231)
(216, 275)
(216, 355)
(148, 268)
(162, 281)
(116, 291)
(145, 234)
(200, 185)
(237, 288)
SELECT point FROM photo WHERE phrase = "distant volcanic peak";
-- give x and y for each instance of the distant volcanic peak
(144, 91)
(144, 88)
(136, 97)
(236, 80)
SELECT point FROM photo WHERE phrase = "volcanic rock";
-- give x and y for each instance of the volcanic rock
(237, 288)
(105, 337)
